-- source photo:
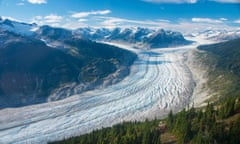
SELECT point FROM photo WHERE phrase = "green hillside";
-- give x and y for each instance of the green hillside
(223, 60)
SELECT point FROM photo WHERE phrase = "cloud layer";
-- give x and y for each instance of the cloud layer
(86, 14)
(227, 1)
(237, 21)
(100, 19)
(95, 19)
(208, 20)
(37, 1)
(51, 19)
(189, 1)
(171, 1)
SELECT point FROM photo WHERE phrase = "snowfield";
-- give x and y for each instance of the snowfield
(159, 81)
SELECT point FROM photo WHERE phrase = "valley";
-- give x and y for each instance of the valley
(93, 83)
(159, 81)
(119, 72)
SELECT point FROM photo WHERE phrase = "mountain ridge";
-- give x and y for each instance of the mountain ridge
(33, 71)
(139, 37)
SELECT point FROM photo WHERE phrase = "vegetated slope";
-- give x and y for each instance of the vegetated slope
(30, 70)
(227, 55)
(126, 133)
(215, 123)
(218, 122)
(223, 60)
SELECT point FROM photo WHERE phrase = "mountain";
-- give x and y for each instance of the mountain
(143, 37)
(53, 33)
(222, 61)
(42, 63)
(52, 64)
(227, 55)
(17, 27)
(162, 38)
(218, 35)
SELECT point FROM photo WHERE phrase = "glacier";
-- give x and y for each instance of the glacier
(159, 81)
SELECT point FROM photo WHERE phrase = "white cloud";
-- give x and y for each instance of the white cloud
(237, 21)
(57, 21)
(189, 1)
(207, 20)
(112, 22)
(185, 26)
(227, 1)
(52, 18)
(82, 20)
(38, 17)
(37, 1)
(74, 25)
(10, 18)
(182, 25)
(86, 14)
(171, 1)
(223, 19)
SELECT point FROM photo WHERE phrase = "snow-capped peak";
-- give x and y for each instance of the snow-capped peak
(218, 35)
(17, 27)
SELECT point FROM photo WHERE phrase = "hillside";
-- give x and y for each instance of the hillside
(227, 55)
(125, 133)
(32, 72)
(223, 62)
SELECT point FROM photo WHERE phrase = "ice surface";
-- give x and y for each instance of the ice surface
(159, 81)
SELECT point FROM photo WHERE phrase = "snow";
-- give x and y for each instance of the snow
(19, 28)
(159, 81)
(218, 35)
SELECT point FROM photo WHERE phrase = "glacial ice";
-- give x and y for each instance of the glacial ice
(159, 81)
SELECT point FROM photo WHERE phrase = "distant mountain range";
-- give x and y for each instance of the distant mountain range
(218, 35)
(138, 37)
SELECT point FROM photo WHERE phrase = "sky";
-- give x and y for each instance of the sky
(180, 15)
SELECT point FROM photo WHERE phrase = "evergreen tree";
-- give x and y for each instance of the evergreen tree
(170, 120)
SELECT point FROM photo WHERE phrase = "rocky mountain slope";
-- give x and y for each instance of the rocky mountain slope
(34, 71)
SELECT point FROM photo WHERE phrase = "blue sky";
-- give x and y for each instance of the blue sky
(182, 15)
